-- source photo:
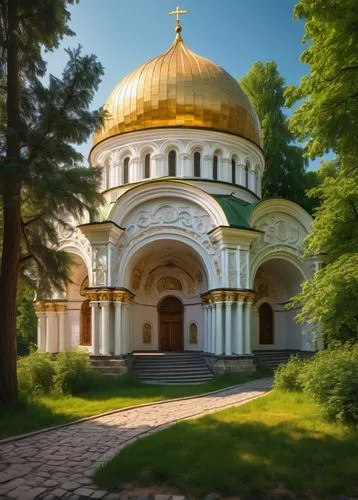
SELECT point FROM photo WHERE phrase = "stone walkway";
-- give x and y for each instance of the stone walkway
(60, 463)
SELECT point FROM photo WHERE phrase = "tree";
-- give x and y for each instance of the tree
(328, 116)
(26, 324)
(40, 174)
(284, 174)
(329, 301)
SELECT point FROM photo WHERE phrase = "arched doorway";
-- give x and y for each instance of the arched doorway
(266, 324)
(170, 311)
(85, 332)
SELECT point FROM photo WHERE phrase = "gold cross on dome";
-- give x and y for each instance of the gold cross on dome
(178, 12)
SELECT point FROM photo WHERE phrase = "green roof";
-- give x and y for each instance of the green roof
(237, 211)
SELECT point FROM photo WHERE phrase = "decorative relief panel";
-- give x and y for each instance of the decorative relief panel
(193, 333)
(99, 265)
(279, 229)
(147, 333)
(243, 269)
(172, 215)
(232, 269)
(168, 283)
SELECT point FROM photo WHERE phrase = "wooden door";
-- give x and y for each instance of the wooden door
(85, 330)
(170, 324)
(266, 323)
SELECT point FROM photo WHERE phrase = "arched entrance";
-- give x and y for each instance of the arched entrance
(85, 322)
(170, 312)
(266, 324)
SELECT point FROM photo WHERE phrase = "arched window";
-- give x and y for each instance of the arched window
(266, 323)
(147, 166)
(126, 170)
(215, 168)
(247, 169)
(196, 164)
(172, 160)
(233, 171)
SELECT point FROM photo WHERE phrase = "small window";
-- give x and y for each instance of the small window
(247, 169)
(147, 333)
(193, 333)
(147, 166)
(196, 164)
(172, 163)
(126, 171)
(233, 171)
(215, 168)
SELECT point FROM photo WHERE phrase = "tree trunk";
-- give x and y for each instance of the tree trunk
(11, 219)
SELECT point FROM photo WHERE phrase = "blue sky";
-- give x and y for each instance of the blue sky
(233, 33)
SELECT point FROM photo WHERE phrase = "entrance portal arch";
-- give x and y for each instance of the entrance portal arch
(170, 317)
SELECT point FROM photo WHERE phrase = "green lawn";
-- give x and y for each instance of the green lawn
(28, 415)
(274, 447)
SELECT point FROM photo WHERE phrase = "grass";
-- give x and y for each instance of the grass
(27, 415)
(274, 447)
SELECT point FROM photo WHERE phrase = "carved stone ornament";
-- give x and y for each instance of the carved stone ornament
(193, 333)
(109, 295)
(43, 307)
(172, 215)
(99, 265)
(168, 283)
(147, 333)
(279, 229)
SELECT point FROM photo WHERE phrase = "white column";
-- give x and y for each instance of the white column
(252, 180)
(118, 328)
(41, 331)
(95, 327)
(228, 328)
(213, 327)
(207, 164)
(105, 328)
(126, 326)
(208, 328)
(51, 332)
(247, 328)
(238, 335)
(219, 331)
(61, 331)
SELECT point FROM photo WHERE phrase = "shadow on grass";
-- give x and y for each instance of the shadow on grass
(286, 458)
(30, 414)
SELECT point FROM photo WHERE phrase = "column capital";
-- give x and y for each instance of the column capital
(228, 296)
(48, 307)
(109, 295)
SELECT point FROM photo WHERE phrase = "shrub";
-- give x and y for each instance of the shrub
(36, 373)
(331, 379)
(74, 373)
(288, 377)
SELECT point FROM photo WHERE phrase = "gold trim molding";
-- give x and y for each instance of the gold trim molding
(107, 295)
(214, 296)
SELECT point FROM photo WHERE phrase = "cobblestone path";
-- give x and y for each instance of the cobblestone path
(59, 463)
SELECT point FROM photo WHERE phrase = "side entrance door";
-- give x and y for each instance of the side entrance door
(170, 324)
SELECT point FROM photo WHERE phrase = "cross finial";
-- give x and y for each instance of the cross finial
(178, 12)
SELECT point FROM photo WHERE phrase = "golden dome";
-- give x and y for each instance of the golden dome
(179, 89)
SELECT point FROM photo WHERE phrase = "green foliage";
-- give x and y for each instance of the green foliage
(329, 301)
(288, 376)
(26, 323)
(328, 114)
(36, 373)
(74, 374)
(284, 174)
(331, 379)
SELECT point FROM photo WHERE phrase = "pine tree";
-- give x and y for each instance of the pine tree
(285, 164)
(41, 178)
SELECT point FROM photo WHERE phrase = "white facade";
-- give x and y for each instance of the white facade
(170, 236)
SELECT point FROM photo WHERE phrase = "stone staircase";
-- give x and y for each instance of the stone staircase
(272, 359)
(171, 368)
(112, 366)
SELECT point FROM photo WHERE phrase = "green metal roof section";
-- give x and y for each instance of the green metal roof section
(237, 211)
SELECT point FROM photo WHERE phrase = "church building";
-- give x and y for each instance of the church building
(185, 256)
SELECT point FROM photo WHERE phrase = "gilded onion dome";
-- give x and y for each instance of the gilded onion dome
(179, 89)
